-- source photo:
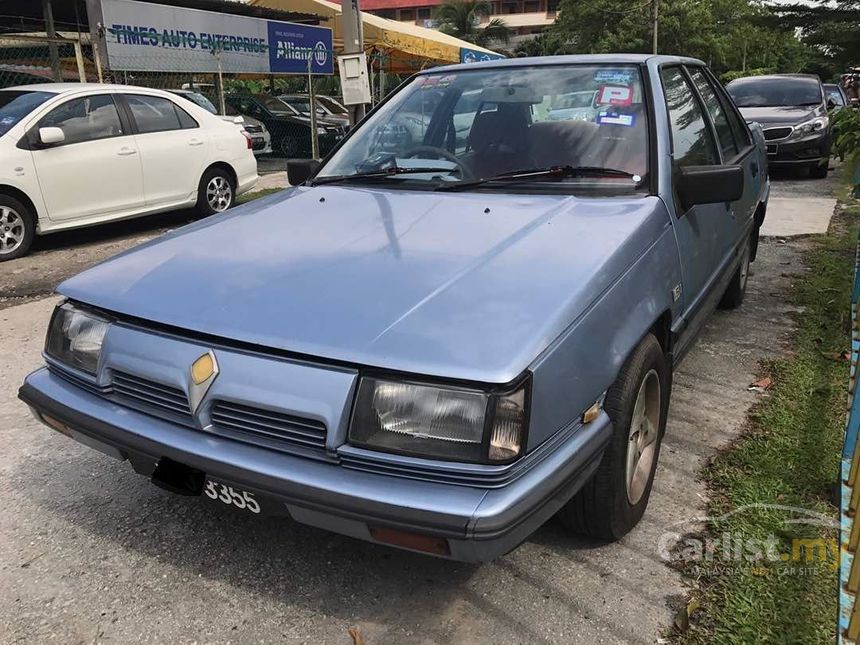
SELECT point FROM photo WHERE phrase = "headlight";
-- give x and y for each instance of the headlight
(75, 338)
(809, 127)
(439, 421)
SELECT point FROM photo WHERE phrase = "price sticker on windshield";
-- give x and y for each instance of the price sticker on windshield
(615, 95)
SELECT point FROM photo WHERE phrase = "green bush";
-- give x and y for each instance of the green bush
(846, 132)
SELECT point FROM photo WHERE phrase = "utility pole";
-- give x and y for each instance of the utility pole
(352, 32)
(51, 31)
(656, 22)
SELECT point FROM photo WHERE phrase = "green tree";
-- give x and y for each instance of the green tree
(462, 18)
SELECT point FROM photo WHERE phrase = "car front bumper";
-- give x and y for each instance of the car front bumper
(476, 523)
(808, 151)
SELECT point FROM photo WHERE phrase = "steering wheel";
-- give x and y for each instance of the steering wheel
(438, 153)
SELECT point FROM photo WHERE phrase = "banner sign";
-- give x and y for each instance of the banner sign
(141, 36)
(473, 56)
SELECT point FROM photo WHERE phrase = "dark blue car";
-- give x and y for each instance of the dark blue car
(463, 322)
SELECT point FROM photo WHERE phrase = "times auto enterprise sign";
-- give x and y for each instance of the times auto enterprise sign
(141, 36)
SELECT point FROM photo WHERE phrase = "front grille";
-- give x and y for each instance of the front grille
(772, 134)
(266, 427)
(78, 381)
(151, 396)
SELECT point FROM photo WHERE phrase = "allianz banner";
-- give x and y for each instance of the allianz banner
(141, 36)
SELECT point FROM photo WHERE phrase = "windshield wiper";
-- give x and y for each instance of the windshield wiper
(552, 172)
(377, 174)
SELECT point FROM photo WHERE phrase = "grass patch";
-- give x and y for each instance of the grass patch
(256, 194)
(788, 455)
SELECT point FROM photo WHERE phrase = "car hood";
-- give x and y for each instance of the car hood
(783, 114)
(463, 285)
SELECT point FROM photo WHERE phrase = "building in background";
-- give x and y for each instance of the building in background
(525, 18)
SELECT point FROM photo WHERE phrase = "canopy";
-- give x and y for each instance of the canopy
(405, 47)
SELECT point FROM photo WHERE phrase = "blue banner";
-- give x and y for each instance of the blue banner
(473, 56)
(291, 45)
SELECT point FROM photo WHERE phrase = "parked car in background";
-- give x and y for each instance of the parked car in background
(290, 130)
(301, 103)
(792, 110)
(82, 154)
(332, 106)
(438, 346)
(836, 96)
(261, 140)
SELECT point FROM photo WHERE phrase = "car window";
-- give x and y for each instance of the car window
(725, 136)
(85, 119)
(158, 114)
(16, 104)
(692, 144)
(834, 94)
(775, 91)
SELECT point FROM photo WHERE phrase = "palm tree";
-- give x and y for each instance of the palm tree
(462, 18)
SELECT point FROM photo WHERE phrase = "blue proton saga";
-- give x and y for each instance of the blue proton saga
(462, 322)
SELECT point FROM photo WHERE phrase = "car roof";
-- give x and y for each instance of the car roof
(777, 77)
(547, 61)
(71, 88)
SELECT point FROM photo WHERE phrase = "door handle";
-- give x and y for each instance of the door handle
(195, 142)
(754, 169)
(125, 152)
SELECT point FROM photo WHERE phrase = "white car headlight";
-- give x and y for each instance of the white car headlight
(445, 422)
(812, 126)
(75, 337)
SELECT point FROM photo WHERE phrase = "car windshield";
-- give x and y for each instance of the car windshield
(277, 106)
(16, 104)
(297, 103)
(202, 101)
(330, 105)
(470, 126)
(773, 92)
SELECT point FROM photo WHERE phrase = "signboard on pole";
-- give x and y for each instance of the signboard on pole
(473, 56)
(140, 36)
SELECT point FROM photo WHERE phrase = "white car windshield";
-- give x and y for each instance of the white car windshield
(16, 104)
(581, 125)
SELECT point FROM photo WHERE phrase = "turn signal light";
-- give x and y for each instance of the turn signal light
(407, 540)
(248, 140)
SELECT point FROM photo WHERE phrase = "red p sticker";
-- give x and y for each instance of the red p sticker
(614, 95)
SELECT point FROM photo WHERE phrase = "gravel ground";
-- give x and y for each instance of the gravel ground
(91, 552)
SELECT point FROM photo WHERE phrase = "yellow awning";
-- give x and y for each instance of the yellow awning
(407, 47)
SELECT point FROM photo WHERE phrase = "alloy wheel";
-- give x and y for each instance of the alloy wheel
(219, 194)
(12, 230)
(642, 438)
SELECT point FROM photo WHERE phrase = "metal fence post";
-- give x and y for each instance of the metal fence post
(79, 58)
(315, 144)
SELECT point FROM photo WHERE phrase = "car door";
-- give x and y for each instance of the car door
(96, 170)
(173, 148)
(736, 148)
(704, 232)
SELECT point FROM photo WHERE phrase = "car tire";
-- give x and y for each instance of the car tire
(216, 192)
(734, 295)
(17, 228)
(614, 500)
(819, 171)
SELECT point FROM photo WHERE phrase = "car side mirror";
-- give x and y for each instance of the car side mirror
(300, 170)
(51, 136)
(709, 185)
(238, 120)
(831, 104)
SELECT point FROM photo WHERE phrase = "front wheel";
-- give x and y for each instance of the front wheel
(216, 192)
(17, 228)
(819, 170)
(613, 502)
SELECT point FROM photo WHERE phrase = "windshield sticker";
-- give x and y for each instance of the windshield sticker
(6, 120)
(615, 95)
(613, 118)
(614, 76)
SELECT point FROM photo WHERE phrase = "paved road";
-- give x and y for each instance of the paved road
(90, 552)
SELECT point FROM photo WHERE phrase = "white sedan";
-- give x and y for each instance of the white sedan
(74, 155)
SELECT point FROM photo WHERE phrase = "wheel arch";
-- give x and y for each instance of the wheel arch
(223, 165)
(21, 196)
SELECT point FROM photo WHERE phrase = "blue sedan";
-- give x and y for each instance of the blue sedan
(461, 323)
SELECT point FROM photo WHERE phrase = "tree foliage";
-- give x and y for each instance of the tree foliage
(462, 18)
(726, 34)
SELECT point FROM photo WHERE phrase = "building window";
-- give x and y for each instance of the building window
(387, 13)
(424, 13)
(531, 6)
(407, 14)
(509, 7)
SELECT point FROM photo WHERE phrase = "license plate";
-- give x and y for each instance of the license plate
(772, 149)
(231, 496)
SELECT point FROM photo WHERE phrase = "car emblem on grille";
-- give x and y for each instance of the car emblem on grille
(202, 374)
